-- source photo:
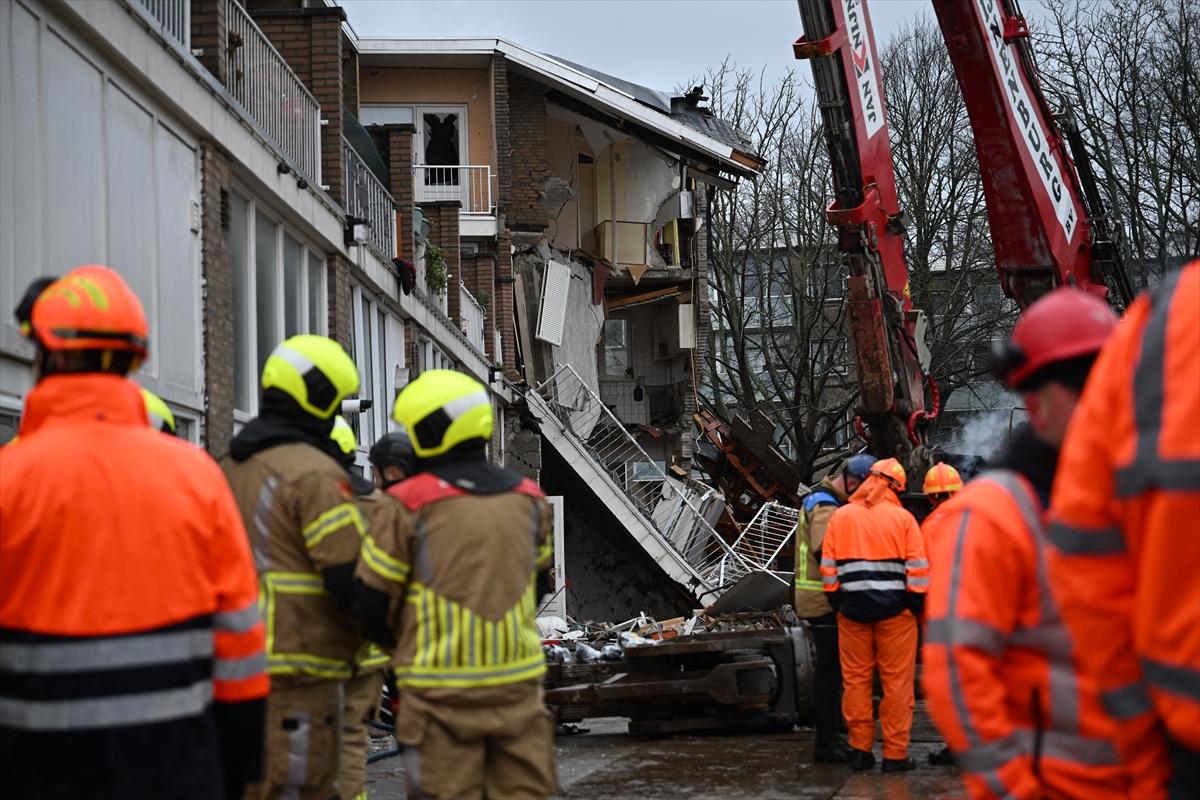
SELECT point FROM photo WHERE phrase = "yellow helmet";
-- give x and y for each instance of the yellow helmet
(158, 412)
(314, 371)
(441, 409)
(343, 436)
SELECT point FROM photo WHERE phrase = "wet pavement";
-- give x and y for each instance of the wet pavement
(608, 763)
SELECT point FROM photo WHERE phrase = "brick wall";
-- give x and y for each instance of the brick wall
(210, 34)
(527, 137)
(443, 217)
(400, 140)
(337, 289)
(500, 117)
(217, 269)
(310, 40)
(349, 75)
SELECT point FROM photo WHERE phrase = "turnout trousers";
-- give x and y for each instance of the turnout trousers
(827, 679)
(363, 693)
(477, 751)
(891, 646)
(304, 732)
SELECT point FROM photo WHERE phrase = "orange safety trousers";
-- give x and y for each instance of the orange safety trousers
(890, 645)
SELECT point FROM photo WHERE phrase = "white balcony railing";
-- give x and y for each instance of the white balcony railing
(365, 197)
(471, 186)
(174, 18)
(471, 314)
(260, 79)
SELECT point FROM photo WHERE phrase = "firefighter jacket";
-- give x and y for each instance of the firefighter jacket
(816, 509)
(873, 564)
(999, 677)
(1125, 534)
(305, 532)
(382, 512)
(131, 649)
(460, 586)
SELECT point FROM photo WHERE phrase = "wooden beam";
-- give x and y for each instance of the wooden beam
(643, 297)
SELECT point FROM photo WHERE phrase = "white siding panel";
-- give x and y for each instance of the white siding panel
(72, 94)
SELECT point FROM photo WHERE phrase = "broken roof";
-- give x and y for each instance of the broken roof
(692, 128)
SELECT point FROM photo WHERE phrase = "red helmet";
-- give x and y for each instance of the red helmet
(89, 308)
(1064, 324)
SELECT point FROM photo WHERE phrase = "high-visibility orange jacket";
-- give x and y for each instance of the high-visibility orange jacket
(128, 605)
(873, 564)
(1125, 533)
(998, 673)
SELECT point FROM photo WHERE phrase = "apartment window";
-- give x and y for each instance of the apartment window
(10, 423)
(432, 357)
(616, 348)
(278, 291)
(377, 339)
(386, 115)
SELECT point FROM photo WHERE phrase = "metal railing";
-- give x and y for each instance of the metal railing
(260, 79)
(760, 544)
(670, 506)
(174, 18)
(471, 314)
(469, 185)
(364, 196)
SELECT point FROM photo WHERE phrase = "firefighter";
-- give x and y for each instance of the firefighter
(128, 667)
(810, 603)
(297, 503)
(874, 573)
(1125, 538)
(364, 689)
(453, 595)
(942, 482)
(158, 413)
(998, 671)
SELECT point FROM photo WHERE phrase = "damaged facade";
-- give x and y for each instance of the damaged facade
(587, 257)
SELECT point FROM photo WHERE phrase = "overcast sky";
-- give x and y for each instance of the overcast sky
(657, 43)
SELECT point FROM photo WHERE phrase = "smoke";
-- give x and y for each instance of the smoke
(986, 434)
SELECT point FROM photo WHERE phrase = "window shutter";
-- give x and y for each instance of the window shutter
(556, 285)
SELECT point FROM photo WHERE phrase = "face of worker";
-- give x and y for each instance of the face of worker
(1050, 408)
(388, 474)
(851, 483)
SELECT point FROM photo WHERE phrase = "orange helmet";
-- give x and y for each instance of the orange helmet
(891, 469)
(942, 479)
(89, 308)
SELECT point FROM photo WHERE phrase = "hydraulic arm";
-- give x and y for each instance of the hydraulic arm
(887, 334)
(1048, 221)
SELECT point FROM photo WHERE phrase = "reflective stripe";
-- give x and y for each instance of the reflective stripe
(295, 582)
(870, 566)
(1127, 702)
(297, 752)
(340, 515)
(828, 580)
(239, 621)
(881, 586)
(288, 663)
(1076, 749)
(106, 712)
(1076, 541)
(1149, 470)
(916, 563)
(919, 581)
(802, 581)
(526, 669)
(992, 756)
(261, 540)
(456, 408)
(383, 562)
(236, 669)
(828, 562)
(1172, 679)
(957, 631)
(116, 652)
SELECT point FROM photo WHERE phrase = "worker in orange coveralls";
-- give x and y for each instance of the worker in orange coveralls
(942, 482)
(999, 676)
(875, 575)
(1124, 556)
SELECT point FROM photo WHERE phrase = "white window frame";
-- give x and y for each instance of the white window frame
(312, 258)
(385, 332)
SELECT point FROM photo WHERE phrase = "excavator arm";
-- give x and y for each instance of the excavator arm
(1048, 221)
(887, 334)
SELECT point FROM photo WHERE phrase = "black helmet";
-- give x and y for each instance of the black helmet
(394, 450)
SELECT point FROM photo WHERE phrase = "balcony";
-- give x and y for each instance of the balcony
(262, 82)
(471, 186)
(174, 18)
(365, 197)
(471, 316)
